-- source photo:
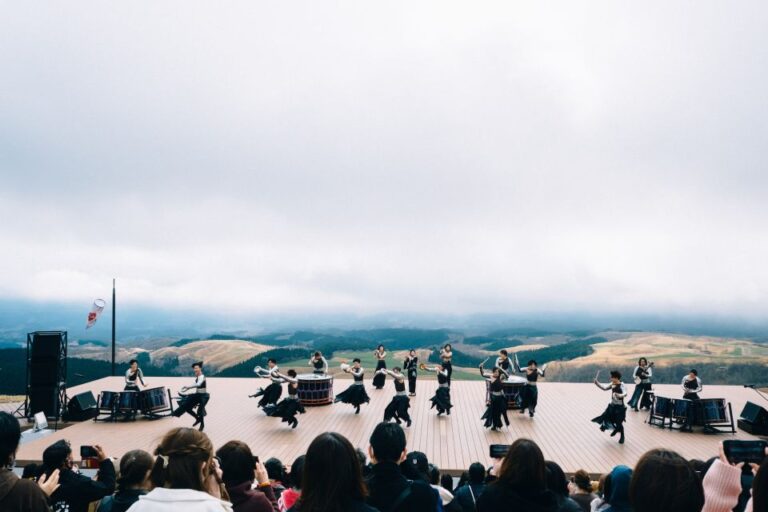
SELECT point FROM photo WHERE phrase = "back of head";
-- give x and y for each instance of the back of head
(237, 464)
(434, 475)
(388, 442)
(664, 481)
(135, 466)
(617, 487)
(446, 482)
(556, 481)
(10, 434)
(476, 473)
(523, 467)
(324, 490)
(416, 466)
(582, 480)
(275, 469)
(183, 460)
(56, 455)
(297, 469)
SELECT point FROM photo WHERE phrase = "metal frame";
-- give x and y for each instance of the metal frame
(62, 374)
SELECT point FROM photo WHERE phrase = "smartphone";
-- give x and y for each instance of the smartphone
(88, 452)
(499, 451)
(745, 451)
(255, 459)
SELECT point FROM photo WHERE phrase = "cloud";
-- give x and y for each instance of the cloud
(433, 158)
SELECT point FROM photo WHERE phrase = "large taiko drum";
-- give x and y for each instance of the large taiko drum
(154, 399)
(513, 387)
(713, 410)
(128, 402)
(315, 389)
(108, 400)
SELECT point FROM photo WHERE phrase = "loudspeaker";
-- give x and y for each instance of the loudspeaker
(46, 345)
(753, 413)
(45, 399)
(82, 407)
(44, 372)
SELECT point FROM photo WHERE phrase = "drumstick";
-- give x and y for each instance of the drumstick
(597, 374)
(485, 361)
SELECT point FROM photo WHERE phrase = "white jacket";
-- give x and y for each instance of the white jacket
(171, 500)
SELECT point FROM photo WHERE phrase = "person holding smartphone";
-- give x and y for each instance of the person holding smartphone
(246, 479)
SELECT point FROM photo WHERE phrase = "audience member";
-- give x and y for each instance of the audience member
(446, 482)
(184, 476)
(558, 484)
(132, 482)
(722, 485)
(389, 488)
(332, 480)
(521, 479)
(759, 502)
(663, 481)
(77, 491)
(290, 495)
(466, 495)
(277, 475)
(366, 468)
(239, 469)
(616, 493)
(581, 490)
(20, 495)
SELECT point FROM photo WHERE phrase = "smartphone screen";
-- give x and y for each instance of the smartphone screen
(499, 451)
(745, 451)
(88, 452)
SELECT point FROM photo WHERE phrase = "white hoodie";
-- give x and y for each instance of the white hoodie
(161, 499)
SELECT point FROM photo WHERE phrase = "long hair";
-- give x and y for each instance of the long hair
(760, 489)
(663, 481)
(187, 449)
(523, 467)
(556, 481)
(332, 476)
(134, 466)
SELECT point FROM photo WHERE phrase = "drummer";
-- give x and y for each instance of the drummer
(319, 362)
(133, 376)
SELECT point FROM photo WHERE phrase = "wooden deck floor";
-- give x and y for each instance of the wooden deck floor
(561, 426)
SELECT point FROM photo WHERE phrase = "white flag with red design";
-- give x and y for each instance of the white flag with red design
(93, 315)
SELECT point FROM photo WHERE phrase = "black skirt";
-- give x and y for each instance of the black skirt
(442, 400)
(397, 408)
(189, 402)
(270, 395)
(379, 378)
(493, 412)
(286, 409)
(529, 397)
(354, 394)
(612, 417)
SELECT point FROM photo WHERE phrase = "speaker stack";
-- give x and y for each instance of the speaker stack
(754, 419)
(46, 373)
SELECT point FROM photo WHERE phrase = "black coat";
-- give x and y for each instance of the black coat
(77, 490)
(498, 498)
(386, 484)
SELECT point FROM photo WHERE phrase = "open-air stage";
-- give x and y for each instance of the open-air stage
(561, 427)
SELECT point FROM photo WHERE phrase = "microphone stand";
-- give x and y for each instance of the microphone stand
(762, 395)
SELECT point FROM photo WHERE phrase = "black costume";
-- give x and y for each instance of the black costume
(497, 405)
(195, 400)
(505, 365)
(320, 365)
(379, 378)
(616, 412)
(447, 366)
(411, 366)
(132, 390)
(354, 394)
(131, 378)
(288, 406)
(641, 395)
(271, 394)
(529, 396)
(442, 398)
(398, 407)
(691, 390)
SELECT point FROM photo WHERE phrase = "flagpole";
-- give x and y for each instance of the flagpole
(113, 326)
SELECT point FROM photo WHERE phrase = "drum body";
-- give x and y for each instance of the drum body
(662, 406)
(108, 400)
(154, 399)
(513, 388)
(129, 401)
(315, 389)
(713, 410)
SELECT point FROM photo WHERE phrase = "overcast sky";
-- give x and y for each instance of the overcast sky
(364, 157)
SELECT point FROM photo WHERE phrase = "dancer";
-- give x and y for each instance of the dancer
(354, 394)
(504, 364)
(290, 405)
(616, 412)
(442, 398)
(411, 365)
(530, 394)
(196, 399)
(691, 389)
(379, 378)
(641, 394)
(271, 394)
(497, 402)
(446, 354)
(319, 362)
(398, 407)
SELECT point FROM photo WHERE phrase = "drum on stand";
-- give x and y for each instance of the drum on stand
(315, 389)
(513, 387)
(681, 409)
(108, 400)
(713, 410)
(128, 402)
(154, 399)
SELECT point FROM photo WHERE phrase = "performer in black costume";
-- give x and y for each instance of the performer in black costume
(497, 402)
(319, 363)
(504, 364)
(290, 405)
(616, 412)
(691, 388)
(641, 395)
(398, 407)
(446, 354)
(442, 398)
(271, 394)
(378, 377)
(133, 375)
(411, 366)
(196, 399)
(530, 393)
(354, 394)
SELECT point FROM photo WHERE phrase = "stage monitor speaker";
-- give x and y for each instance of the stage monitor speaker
(755, 414)
(46, 345)
(82, 407)
(45, 399)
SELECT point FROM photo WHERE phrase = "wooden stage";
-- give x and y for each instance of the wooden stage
(561, 427)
